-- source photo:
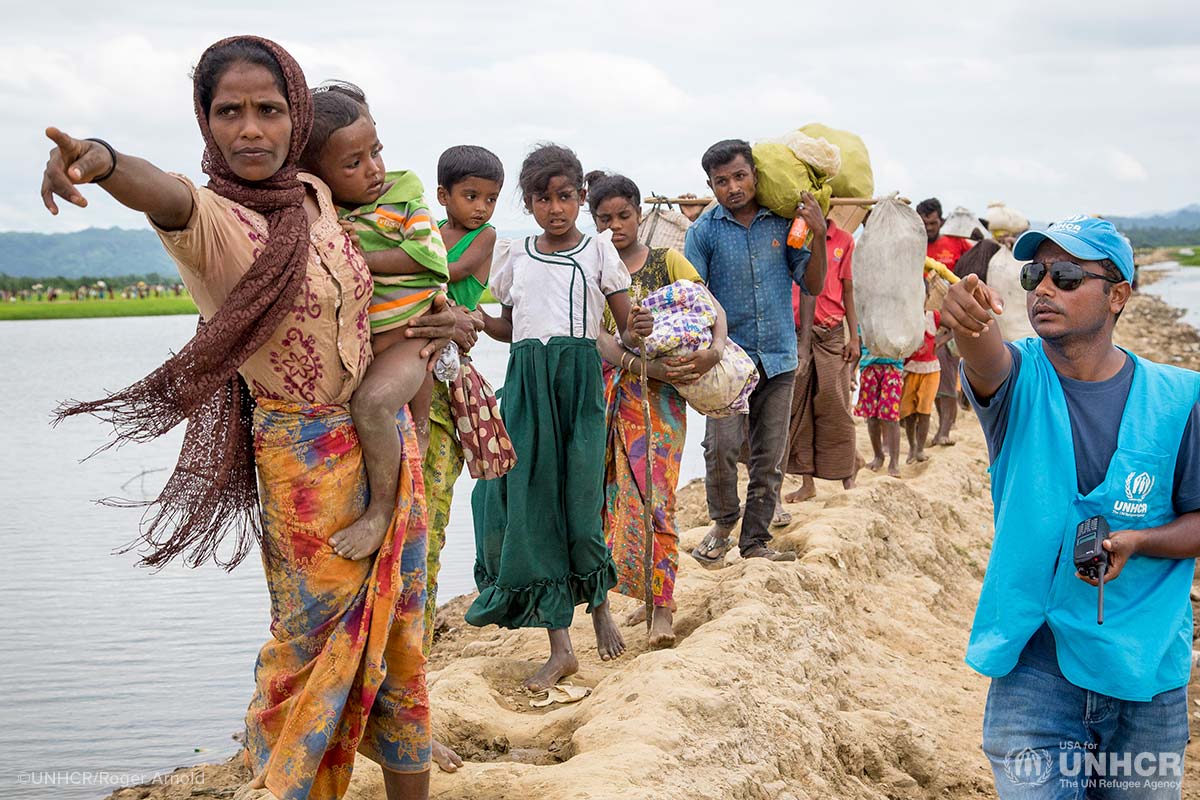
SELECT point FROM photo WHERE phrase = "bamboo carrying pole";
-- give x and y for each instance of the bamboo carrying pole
(658, 200)
(648, 497)
(636, 295)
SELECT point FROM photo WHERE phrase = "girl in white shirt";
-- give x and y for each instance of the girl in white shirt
(539, 535)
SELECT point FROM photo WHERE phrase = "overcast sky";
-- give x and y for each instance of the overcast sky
(1053, 107)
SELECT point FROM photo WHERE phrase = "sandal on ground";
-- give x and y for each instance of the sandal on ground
(782, 518)
(762, 551)
(712, 549)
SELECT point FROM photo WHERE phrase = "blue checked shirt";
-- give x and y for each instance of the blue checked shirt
(750, 271)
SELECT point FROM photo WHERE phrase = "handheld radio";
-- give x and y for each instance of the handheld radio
(1091, 559)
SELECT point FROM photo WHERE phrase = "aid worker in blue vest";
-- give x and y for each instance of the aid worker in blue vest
(1076, 428)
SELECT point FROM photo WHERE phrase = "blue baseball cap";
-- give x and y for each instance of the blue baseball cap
(1083, 237)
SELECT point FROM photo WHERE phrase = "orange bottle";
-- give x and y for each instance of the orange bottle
(798, 233)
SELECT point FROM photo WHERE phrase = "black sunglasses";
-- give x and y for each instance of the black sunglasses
(1066, 275)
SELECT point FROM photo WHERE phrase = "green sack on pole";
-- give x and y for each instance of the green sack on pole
(855, 179)
(783, 178)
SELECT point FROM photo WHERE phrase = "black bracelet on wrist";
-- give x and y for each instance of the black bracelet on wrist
(112, 154)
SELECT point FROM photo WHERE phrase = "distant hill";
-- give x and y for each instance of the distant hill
(1170, 229)
(95, 252)
(1186, 217)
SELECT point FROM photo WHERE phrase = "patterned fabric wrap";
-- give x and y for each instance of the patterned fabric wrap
(625, 480)
(684, 314)
(485, 443)
(880, 388)
(344, 671)
(443, 464)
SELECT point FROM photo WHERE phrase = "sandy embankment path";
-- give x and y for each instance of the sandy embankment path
(839, 675)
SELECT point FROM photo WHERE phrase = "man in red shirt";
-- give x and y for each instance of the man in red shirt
(948, 250)
(821, 434)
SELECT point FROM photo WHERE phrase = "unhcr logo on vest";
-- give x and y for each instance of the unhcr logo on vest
(1137, 489)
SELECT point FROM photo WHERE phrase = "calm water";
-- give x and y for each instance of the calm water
(110, 674)
(1179, 286)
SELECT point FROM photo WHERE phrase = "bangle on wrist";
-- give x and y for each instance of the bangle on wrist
(111, 154)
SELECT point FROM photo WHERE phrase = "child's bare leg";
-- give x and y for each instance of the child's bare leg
(875, 432)
(419, 407)
(920, 434)
(891, 432)
(391, 381)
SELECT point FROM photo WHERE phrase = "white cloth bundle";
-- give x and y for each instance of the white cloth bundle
(889, 283)
(684, 313)
(1004, 275)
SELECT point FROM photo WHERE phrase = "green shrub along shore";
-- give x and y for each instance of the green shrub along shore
(62, 308)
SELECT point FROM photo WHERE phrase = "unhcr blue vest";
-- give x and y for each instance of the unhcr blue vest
(1144, 646)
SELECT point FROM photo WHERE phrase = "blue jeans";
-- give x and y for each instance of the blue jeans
(1048, 739)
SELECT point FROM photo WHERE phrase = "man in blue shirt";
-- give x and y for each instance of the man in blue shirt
(740, 250)
(1078, 428)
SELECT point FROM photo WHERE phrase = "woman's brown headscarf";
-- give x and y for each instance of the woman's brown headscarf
(214, 487)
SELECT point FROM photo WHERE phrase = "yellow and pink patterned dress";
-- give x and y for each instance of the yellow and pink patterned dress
(343, 671)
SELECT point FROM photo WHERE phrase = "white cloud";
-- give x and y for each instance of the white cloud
(1013, 169)
(964, 106)
(1124, 167)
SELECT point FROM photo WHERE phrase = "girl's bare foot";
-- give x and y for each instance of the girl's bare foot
(875, 464)
(894, 470)
(557, 667)
(609, 641)
(561, 664)
(638, 615)
(364, 536)
(662, 631)
(446, 759)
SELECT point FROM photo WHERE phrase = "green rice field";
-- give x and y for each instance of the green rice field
(74, 309)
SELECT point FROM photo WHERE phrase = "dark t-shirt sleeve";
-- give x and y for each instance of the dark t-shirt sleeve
(993, 413)
(1187, 466)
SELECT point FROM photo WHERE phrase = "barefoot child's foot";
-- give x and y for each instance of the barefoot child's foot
(363, 537)
(638, 615)
(560, 665)
(609, 641)
(875, 464)
(662, 631)
(894, 470)
(446, 759)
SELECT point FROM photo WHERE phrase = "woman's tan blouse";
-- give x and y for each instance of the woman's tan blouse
(319, 353)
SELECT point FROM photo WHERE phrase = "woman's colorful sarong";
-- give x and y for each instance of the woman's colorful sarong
(344, 671)
(625, 481)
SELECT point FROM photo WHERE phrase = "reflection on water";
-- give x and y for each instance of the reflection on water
(110, 673)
